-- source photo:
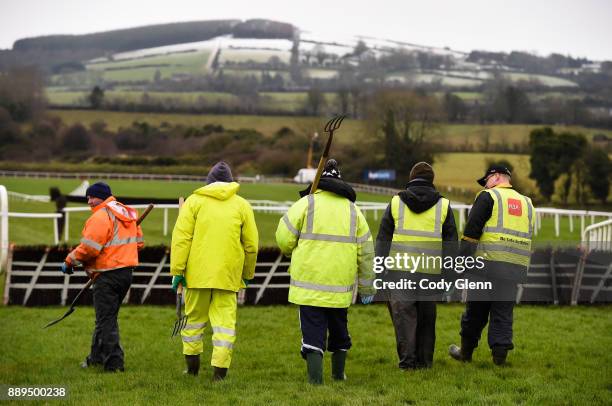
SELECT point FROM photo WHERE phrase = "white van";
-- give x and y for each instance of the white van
(305, 175)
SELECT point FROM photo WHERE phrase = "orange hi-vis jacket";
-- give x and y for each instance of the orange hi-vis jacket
(111, 239)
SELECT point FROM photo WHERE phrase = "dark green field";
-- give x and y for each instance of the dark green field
(562, 357)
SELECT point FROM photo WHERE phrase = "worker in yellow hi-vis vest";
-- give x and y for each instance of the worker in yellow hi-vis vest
(499, 230)
(329, 242)
(419, 220)
(214, 251)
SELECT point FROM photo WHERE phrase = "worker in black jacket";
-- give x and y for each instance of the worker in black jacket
(417, 218)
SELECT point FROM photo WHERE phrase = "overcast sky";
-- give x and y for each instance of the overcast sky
(577, 27)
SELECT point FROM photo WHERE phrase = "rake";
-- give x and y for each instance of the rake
(331, 126)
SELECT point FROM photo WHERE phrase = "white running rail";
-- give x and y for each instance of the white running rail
(598, 236)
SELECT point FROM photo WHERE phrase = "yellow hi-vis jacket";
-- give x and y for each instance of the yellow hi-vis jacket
(329, 242)
(215, 239)
(419, 234)
(507, 234)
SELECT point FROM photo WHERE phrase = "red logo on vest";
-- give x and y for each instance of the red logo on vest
(515, 208)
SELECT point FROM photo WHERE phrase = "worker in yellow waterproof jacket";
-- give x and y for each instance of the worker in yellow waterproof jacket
(214, 251)
(331, 250)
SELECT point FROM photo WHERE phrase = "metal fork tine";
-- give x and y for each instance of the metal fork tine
(340, 121)
(332, 126)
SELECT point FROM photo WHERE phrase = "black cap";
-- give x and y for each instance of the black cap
(493, 169)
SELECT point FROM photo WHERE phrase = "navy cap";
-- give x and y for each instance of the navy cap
(493, 169)
(100, 190)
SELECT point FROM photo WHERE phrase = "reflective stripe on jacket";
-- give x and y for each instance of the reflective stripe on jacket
(508, 232)
(329, 242)
(419, 234)
(110, 239)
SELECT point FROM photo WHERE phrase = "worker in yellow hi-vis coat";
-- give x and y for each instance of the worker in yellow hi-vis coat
(331, 250)
(214, 252)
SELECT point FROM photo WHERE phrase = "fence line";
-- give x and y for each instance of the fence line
(33, 278)
(266, 206)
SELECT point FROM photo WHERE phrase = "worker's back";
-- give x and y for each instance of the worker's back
(214, 231)
(326, 239)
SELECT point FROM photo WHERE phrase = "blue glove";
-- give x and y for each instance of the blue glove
(367, 299)
(246, 281)
(178, 280)
(67, 269)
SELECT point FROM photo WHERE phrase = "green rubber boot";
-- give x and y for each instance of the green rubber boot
(314, 364)
(338, 362)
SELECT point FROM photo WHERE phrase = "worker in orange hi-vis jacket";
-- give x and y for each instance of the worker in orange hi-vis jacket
(109, 246)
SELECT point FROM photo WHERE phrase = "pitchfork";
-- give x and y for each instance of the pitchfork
(181, 321)
(331, 126)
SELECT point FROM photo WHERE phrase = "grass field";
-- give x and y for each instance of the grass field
(139, 69)
(473, 166)
(562, 357)
(254, 55)
(277, 101)
(40, 231)
(352, 130)
(72, 98)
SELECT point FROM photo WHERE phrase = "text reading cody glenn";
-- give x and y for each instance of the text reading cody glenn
(413, 263)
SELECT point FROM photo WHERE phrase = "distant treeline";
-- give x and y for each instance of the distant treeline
(51, 51)
(157, 35)
(527, 61)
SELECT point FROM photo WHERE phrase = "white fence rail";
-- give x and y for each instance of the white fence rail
(371, 209)
(598, 236)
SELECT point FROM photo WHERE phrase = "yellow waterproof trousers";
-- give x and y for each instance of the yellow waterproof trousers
(218, 306)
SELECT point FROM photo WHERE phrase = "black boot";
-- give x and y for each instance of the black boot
(463, 353)
(193, 364)
(338, 362)
(219, 373)
(499, 355)
(314, 365)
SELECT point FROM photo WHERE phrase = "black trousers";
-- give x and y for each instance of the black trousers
(495, 307)
(108, 292)
(316, 322)
(415, 332)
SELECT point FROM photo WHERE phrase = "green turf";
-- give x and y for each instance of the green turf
(562, 357)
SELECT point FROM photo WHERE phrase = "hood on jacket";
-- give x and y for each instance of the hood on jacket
(218, 190)
(420, 196)
(121, 211)
(334, 185)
